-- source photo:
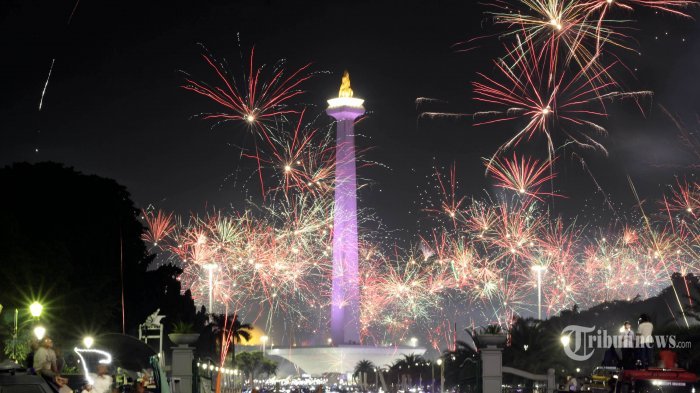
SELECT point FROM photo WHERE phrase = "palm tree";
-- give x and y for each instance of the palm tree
(530, 348)
(461, 366)
(363, 367)
(231, 330)
(411, 368)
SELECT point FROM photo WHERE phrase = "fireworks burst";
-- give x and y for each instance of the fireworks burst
(525, 176)
(254, 98)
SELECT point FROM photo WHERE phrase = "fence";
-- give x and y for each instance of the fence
(205, 374)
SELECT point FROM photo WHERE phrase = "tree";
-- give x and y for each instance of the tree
(410, 369)
(69, 239)
(228, 330)
(365, 367)
(530, 346)
(254, 363)
(461, 366)
(74, 243)
(268, 367)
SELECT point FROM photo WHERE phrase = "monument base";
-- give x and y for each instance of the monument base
(341, 359)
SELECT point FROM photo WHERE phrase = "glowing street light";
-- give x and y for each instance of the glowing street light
(414, 342)
(539, 269)
(39, 332)
(565, 340)
(210, 268)
(35, 309)
(88, 341)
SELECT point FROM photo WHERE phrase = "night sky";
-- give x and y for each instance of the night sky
(114, 106)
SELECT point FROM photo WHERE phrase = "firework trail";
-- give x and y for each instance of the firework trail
(75, 7)
(46, 85)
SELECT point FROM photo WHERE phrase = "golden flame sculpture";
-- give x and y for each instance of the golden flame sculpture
(345, 90)
(345, 98)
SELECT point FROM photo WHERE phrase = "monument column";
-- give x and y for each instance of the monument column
(345, 297)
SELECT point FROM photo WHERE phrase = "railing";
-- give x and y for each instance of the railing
(205, 374)
(548, 379)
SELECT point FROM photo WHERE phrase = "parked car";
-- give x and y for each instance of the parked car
(14, 379)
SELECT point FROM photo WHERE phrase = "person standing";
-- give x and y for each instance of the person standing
(627, 346)
(645, 340)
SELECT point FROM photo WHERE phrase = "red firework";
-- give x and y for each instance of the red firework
(253, 100)
(525, 176)
(684, 198)
(558, 105)
(158, 226)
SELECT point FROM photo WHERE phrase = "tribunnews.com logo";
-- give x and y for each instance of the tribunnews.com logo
(581, 341)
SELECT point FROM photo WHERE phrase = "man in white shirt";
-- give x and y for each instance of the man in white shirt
(645, 340)
(101, 382)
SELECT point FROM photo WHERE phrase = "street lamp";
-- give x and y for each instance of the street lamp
(565, 340)
(414, 342)
(39, 332)
(35, 309)
(88, 341)
(539, 269)
(263, 340)
(442, 375)
(210, 268)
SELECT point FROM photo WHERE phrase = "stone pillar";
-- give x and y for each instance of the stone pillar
(183, 356)
(551, 381)
(491, 369)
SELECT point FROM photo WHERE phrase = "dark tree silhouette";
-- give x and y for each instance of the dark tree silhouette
(70, 241)
(234, 327)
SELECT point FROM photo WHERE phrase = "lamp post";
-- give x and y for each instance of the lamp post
(263, 340)
(376, 378)
(539, 269)
(441, 363)
(210, 268)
